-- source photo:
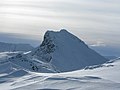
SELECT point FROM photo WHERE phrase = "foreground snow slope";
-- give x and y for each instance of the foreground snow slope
(66, 52)
(104, 77)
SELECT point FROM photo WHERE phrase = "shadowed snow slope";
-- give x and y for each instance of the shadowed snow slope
(66, 52)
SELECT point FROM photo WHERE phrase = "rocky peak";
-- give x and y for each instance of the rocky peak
(66, 52)
(48, 45)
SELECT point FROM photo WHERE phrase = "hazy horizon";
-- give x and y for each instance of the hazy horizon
(97, 22)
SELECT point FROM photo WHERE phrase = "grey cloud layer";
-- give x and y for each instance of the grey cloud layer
(90, 18)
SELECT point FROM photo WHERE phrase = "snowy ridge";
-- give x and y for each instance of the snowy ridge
(31, 63)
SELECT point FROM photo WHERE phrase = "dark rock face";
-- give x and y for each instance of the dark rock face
(47, 45)
(45, 50)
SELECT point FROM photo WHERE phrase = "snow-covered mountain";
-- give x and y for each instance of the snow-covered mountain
(66, 52)
(59, 52)
(14, 47)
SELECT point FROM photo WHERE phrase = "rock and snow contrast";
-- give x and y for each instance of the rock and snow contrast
(62, 61)
(66, 52)
(59, 52)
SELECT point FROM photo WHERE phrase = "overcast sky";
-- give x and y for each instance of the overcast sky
(95, 21)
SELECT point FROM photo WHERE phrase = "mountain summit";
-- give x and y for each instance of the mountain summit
(66, 52)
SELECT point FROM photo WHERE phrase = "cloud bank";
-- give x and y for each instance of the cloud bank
(88, 19)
